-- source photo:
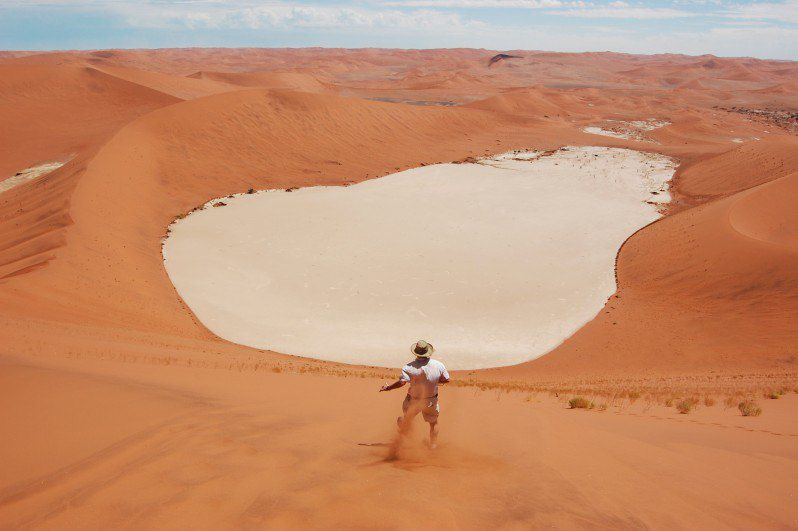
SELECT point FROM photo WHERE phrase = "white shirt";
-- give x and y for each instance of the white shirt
(423, 375)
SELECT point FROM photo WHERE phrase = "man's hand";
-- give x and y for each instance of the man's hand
(396, 385)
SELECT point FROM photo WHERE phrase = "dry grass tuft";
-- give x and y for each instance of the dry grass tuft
(686, 405)
(709, 401)
(579, 402)
(731, 401)
(749, 408)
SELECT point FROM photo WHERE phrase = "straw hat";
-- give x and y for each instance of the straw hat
(422, 349)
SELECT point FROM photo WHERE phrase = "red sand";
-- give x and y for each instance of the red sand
(121, 408)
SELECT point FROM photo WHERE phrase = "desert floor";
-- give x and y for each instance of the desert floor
(119, 408)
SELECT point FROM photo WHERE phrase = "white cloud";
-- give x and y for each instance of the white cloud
(625, 12)
(775, 11)
(766, 42)
(285, 15)
(521, 4)
(617, 9)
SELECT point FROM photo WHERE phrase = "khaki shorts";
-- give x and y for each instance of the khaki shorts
(428, 407)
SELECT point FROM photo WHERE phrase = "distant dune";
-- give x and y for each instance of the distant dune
(284, 80)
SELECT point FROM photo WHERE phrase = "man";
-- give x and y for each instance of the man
(424, 374)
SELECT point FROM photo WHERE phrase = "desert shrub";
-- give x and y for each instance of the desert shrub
(602, 406)
(668, 402)
(772, 395)
(579, 402)
(709, 401)
(634, 395)
(685, 406)
(749, 408)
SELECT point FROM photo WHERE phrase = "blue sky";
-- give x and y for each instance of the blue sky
(767, 29)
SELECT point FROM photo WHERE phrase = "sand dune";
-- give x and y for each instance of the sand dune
(768, 213)
(531, 102)
(50, 112)
(177, 86)
(740, 168)
(281, 80)
(162, 424)
(238, 449)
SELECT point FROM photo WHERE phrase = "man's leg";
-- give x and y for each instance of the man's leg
(433, 434)
(409, 412)
(404, 422)
(431, 412)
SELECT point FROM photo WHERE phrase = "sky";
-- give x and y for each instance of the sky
(765, 29)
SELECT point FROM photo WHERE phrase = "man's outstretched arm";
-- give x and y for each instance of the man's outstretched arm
(396, 385)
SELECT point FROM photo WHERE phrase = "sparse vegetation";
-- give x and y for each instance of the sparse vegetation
(772, 395)
(731, 401)
(686, 405)
(580, 402)
(749, 408)
(603, 393)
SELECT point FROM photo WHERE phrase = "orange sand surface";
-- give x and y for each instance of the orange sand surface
(120, 408)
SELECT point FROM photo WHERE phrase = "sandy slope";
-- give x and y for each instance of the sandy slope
(282, 80)
(50, 112)
(180, 420)
(743, 167)
(231, 449)
(177, 86)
